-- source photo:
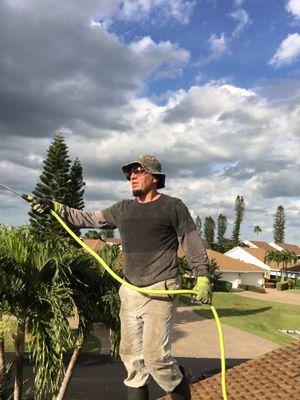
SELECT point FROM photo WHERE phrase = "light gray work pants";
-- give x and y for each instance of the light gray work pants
(145, 346)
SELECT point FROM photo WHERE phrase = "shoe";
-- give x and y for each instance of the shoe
(140, 393)
(182, 390)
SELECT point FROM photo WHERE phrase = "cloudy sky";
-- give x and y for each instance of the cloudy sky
(211, 87)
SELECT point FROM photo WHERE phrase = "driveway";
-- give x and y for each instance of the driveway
(194, 336)
(284, 296)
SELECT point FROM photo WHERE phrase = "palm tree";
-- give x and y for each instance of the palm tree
(283, 257)
(287, 258)
(42, 285)
(110, 301)
(3, 384)
(36, 294)
(273, 256)
(85, 282)
(257, 229)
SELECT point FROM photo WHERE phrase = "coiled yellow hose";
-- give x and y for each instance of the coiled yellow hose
(152, 291)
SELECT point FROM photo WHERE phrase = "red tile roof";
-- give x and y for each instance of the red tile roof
(273, 376)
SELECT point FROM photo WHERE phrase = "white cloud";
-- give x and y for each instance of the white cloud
(165, 56)
(293, 6)
(215, 140)
(83, 79)
(242, 18)
(138, 10)
(288, 52)
(218, 47)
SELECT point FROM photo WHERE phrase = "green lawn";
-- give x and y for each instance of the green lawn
(261, 318)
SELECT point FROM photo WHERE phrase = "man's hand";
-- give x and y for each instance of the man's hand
(44, 206)
(203, 288)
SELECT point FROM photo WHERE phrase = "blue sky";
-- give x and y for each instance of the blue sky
(211, 87)
(252, 32)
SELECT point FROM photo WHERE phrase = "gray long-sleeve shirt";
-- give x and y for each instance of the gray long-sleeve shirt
(150, 233)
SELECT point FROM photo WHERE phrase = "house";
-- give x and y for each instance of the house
(294, 269)
(235, 271)
(238, 272)
(274, 375)
(97, 244)
(256, 256)
(250, 255)
(94, 244)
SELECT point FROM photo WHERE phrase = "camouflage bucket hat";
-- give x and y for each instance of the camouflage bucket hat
(150, 165)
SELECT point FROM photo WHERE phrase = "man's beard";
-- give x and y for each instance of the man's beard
(137, 192)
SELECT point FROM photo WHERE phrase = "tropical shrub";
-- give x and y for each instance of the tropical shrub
(283, 285)
(43, 285)
(222, 286)
(257, 289)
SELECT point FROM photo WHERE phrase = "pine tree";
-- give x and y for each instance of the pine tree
(76, 191)
(198, 225)
(74, 195)
(209, 230)
(239, 215)
(59, 183)
(221, 228)
(279, 225)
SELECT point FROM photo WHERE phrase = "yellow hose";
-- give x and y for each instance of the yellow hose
(152, 291)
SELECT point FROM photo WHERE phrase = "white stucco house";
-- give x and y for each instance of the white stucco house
(256, 256)
(238, 272)
(249, 255)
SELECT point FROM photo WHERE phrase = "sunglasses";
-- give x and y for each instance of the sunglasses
(137, 170)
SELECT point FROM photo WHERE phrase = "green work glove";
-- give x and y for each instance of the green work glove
(44, 206)
(203, 288)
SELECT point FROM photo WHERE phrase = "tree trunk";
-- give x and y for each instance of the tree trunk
(19, 360)
(69, 373)
(3, 382)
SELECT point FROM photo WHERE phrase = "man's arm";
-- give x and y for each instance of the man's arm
(195, 253)
(197, 259)
(84, 219)
(78, 218)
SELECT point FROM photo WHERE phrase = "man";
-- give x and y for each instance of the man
(150, 225)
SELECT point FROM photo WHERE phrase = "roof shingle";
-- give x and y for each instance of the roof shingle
(227, 263)
(273, 376)
(290, 247)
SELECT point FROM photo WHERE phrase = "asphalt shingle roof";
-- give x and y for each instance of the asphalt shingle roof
(227, 263)
(262, 245)
(290, 247)
(273, 376)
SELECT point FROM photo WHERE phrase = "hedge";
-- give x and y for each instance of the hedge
(252, 288)
(222, 286)
(283, 285)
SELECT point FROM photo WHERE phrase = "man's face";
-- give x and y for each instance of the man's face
(141, 181)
